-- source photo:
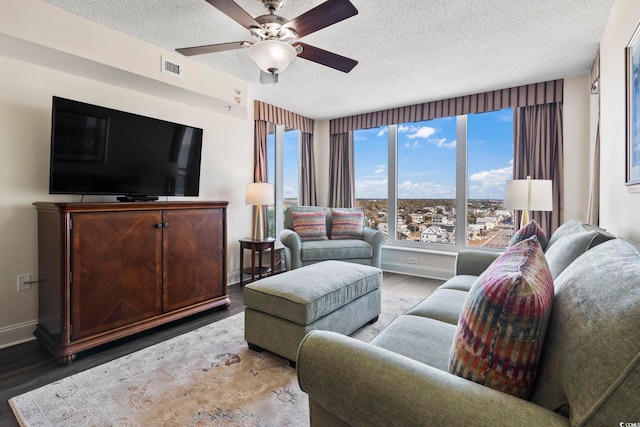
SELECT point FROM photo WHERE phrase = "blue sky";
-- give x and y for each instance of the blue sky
(426, 158)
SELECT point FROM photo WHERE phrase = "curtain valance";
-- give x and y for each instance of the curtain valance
(280, 116)
(521, 96)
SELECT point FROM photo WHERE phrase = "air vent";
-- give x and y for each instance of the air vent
(171, 67)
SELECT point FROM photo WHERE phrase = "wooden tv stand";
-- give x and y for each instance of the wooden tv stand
(109, 270)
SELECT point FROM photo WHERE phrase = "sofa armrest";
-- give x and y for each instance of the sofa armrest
(292, 248)
(361, 384)
(376, 239)
(473, 262)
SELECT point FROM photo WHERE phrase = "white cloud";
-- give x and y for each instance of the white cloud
(442, 143)
(424, 132)
(383, 131)
(371, 188)
(424, 190)
(380, 169)
(490, 183)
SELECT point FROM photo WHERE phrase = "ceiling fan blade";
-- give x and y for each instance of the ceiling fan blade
(324, 57)
(321, 16)
(235, 12)
(211, 48)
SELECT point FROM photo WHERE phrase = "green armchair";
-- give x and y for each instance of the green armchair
(299, 253)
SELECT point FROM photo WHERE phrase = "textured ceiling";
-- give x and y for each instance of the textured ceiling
(409, 51)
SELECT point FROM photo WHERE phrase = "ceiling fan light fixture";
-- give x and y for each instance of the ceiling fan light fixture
(272, 56)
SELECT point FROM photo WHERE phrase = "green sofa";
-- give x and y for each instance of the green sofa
(298, 253)
(589, 373)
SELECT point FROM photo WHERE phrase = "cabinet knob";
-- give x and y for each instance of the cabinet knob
(166, 224)
(159, 225)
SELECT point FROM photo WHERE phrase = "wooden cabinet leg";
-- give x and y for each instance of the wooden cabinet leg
(66, 359)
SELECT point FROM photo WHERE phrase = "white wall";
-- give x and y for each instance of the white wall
(577, 147)
(28, 81)
(618, 207)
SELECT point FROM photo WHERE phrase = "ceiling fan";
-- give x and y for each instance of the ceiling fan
(275, 38)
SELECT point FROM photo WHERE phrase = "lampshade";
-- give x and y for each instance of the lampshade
(529, 194)
(259, 193)
(272, 56)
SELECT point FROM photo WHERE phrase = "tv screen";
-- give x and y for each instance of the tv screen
(98, 150)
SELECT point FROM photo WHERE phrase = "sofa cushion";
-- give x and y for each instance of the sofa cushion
(461, 282)
(320, 250)
(568, 227)
(310, 225)
(590, 367)
(501, 328)
(566, 250)
(419, 338)
(346, 224)
(530, 229)
(444, 305)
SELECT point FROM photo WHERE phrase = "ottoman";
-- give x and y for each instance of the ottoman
(330, 295)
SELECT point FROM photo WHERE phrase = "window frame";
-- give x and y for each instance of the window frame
(461, 193)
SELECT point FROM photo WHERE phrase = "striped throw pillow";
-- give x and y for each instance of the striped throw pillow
(310, 225)
(346, 224)
(530, 229)
(501, 329)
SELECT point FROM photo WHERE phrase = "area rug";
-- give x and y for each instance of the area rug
(206, 377)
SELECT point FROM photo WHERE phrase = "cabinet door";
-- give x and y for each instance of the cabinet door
(115, 270)
(194, 258)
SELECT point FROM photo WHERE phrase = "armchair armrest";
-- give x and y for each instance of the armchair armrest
(376, 239)
(361, 384)
(474, 262)
(292, 247)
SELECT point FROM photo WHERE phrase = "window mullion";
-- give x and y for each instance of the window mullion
(461, 181)
(279, 196)
(392, 178)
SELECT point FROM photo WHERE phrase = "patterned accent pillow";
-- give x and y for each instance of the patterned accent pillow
(346, 224)
(530, 229)
(310, 225)
(501, 329)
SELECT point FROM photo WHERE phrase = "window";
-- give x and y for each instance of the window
(370, 172)
(413, 179)
(490, 165)
(283, 151)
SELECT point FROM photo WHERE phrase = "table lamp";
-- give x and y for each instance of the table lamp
(258, 194)
(528, 195)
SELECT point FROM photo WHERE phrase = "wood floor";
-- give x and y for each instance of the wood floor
(28, 366)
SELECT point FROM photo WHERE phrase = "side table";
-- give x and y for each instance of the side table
(256, 246)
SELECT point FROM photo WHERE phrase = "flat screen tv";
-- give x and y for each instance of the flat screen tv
(98, 150)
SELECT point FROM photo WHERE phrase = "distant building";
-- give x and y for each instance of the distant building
(433, 234)
(417, 218)
(489, 222)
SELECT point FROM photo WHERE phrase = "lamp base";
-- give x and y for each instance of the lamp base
(524, 218)
(258, 226)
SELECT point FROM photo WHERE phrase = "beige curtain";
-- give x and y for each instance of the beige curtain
(341, 176)
(593, 210)
(260, 173)
(538, 152)
(308, 195)
(264, 114)
(593, 213)
(521, 96)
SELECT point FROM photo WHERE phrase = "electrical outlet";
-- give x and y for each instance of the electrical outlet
(24, 282)
(413, 260)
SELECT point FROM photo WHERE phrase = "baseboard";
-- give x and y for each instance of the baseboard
(417, 270)
(17, 334)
